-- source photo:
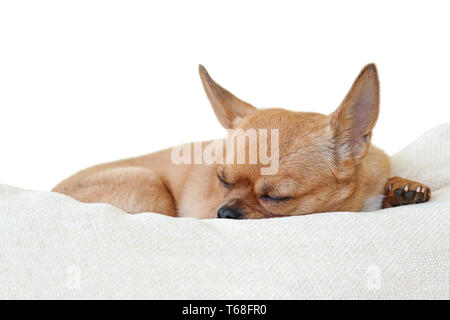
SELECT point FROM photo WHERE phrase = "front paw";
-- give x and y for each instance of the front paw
(401, 191)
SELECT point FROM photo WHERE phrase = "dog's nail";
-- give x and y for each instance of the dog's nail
(418, 189)
(406, 187)
(409, 195)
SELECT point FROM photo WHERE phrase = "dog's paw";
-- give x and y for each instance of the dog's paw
(401, 191)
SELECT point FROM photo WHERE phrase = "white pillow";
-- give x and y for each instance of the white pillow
(52, 246)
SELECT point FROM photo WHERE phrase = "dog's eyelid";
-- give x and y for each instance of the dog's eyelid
(222, 180)
(221, 174)
(267, 197)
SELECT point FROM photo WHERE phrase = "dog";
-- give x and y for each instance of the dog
(324, 163)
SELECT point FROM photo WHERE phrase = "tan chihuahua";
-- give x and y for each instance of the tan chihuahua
(323, 163)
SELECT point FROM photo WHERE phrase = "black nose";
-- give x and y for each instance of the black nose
(229, 212)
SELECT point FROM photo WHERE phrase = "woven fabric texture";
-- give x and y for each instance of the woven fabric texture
(53, 247)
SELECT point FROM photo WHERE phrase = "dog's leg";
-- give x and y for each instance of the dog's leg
(401, 191)
(132, 189)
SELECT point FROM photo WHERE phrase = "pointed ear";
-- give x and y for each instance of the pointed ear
(353, 121)
(229, 109)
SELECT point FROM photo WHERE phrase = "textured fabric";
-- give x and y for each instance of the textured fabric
(52, 246)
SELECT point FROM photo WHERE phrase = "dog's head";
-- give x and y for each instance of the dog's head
(316, 158)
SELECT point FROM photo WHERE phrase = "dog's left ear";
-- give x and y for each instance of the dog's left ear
(353, 121)
(228, 108)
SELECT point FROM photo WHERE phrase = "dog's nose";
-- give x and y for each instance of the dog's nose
(229, 212)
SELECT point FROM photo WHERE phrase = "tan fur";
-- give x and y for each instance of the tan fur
(327, 163)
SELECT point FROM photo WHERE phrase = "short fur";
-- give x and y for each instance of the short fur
(327, 163)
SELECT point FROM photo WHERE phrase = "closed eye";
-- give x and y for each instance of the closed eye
(266, 197)
(226, 185)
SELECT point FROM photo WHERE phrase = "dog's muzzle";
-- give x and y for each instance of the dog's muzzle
(229, 212)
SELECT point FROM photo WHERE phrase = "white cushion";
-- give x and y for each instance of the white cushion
(52, 246)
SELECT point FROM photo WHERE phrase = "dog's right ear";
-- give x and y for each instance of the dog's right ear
(229, 109)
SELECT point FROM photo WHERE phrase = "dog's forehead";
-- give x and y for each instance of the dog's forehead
(278, 117)
(297, 131)
(291, 125)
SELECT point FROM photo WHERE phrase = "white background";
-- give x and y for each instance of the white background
(84, 82)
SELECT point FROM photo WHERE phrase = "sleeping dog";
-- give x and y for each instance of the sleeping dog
(317, 163)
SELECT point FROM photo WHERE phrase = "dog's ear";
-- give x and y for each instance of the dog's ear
(353, 121)
(228, 108)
